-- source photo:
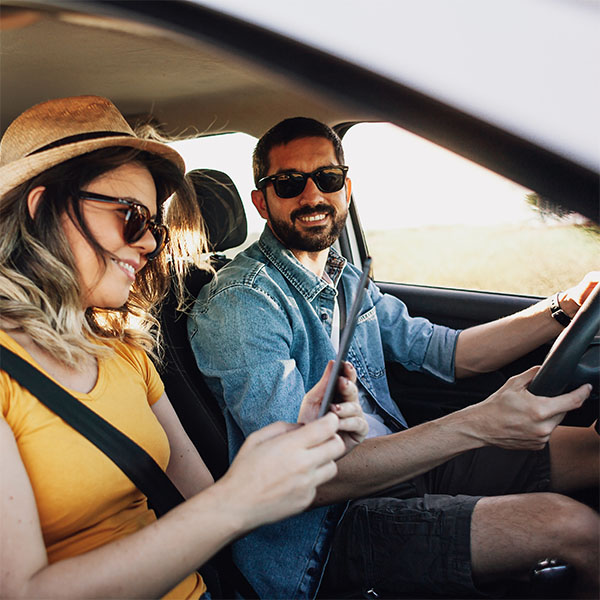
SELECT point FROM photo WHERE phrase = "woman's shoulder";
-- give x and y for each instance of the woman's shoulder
(9, 342)
(132, 354)
(130, 357)
(8, 387)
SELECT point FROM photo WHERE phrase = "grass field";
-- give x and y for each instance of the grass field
(536, 260)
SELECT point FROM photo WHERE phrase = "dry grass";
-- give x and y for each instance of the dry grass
(515, 259)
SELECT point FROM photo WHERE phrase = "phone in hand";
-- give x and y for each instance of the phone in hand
(346, 338)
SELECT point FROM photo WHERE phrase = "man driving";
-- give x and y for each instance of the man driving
(453, 506)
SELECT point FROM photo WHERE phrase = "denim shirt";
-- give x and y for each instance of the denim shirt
(260, 332)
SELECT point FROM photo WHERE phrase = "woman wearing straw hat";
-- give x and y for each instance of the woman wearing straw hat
(81, 266)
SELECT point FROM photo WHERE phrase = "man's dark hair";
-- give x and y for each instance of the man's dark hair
(287, 131)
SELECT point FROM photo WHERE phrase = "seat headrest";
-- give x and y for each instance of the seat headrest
(221, 208)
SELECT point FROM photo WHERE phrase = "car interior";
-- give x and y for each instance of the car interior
(191, 71)
(193, 401)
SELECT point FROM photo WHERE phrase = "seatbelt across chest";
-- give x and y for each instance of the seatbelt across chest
(132, 459)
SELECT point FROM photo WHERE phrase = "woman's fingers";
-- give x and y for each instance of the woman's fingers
(298, 437)
(278, 469)
(271, 431)
(325, 473)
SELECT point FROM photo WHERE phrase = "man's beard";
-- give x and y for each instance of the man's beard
(317, 237)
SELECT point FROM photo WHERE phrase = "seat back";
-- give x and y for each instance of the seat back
(198, 410)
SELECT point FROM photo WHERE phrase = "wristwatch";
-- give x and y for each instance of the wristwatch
(557, 313)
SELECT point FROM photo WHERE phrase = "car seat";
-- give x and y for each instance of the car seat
(198, 410)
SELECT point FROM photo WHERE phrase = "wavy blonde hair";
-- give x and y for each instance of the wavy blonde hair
(40, 292)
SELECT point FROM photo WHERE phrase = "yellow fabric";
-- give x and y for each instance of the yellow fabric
(84, 500)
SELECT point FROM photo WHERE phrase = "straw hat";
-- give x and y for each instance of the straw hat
(55, 131)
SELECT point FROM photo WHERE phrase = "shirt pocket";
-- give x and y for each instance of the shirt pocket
(370, 315)
(367, 341)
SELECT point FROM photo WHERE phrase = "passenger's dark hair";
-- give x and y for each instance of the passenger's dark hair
(287, 131)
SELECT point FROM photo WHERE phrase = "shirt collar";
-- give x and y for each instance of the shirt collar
(304, 280)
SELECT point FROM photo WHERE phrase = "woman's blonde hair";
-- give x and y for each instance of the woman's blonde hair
(40, 293)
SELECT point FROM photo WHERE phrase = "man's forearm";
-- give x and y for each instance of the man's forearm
(510, 418)
(489, 346)
(382, 462)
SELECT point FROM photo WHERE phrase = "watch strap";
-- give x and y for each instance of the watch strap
(557, 313)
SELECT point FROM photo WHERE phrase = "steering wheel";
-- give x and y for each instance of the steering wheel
(564, 365)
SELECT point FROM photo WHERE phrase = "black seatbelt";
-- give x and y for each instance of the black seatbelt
(133, 460)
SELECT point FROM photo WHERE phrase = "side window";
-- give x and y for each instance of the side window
(232, 154)
(431, 217)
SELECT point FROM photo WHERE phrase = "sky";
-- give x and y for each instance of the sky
(529, 66)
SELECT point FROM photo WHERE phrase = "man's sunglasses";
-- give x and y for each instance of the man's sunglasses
(292, 183)
(137, 221)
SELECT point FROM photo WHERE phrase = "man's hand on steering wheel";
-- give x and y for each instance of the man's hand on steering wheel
(571, 300)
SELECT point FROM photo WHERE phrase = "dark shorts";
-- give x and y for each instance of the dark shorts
(416, 538)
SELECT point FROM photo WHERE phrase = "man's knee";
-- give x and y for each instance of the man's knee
(513, 532)
(570, 522)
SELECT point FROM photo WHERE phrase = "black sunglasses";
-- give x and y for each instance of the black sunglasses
(292, 183)
(137, 221)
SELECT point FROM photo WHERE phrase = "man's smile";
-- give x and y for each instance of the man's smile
(313, 218)
(315, 215)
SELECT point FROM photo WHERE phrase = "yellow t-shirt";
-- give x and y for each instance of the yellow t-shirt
(84, 500)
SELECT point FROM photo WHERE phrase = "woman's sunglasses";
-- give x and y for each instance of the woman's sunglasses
(137, 221)
(292, 183)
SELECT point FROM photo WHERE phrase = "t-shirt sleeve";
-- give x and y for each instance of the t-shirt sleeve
(155, 385)
(141, 361)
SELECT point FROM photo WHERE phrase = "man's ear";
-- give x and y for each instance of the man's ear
(348, 190)
(258, 199)
(33, 199)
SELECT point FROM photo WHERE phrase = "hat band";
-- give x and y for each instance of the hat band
(80, 137)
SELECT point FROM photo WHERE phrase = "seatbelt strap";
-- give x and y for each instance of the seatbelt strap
(133, 460)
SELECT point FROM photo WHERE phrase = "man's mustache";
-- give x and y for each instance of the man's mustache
(306, 211)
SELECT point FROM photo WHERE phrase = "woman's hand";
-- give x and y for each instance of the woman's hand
(278, 469)
(353, 426)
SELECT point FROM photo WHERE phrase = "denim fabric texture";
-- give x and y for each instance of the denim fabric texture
(260, 332)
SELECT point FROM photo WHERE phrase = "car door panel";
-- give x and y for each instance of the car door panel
(422, 397)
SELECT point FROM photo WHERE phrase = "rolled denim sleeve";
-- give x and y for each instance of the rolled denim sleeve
(248, 363)
(415, 342)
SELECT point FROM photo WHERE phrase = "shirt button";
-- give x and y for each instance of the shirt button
(324, 316)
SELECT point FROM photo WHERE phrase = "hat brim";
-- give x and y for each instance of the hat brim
(24, 169)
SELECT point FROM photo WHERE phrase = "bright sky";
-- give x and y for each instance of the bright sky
(231, 153)
(430, 185)
(530, 66)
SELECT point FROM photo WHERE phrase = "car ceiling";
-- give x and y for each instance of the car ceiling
(193, 71)
(187, 87)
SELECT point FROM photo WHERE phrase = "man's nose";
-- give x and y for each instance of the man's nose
(310, 193)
